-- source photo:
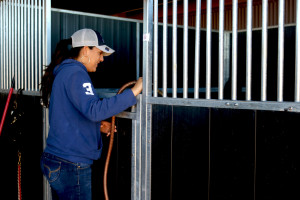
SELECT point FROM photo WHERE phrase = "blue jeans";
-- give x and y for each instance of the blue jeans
(68, 181)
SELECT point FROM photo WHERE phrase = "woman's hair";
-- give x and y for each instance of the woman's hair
(62, 52)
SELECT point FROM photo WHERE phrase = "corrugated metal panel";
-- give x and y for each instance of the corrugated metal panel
(21, 43)
(119, 33)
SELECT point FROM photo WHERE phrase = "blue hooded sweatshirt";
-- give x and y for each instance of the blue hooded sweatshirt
(75, 113)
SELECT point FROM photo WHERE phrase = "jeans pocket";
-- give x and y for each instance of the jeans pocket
(51, 169)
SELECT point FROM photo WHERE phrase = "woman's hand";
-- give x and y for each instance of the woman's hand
(138, 87)
(106, 128)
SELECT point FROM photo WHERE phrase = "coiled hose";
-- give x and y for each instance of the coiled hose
(111, 142)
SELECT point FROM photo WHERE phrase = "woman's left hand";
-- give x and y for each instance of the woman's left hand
(106, 128)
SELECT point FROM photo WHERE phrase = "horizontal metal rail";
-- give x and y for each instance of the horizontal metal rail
(229, 104)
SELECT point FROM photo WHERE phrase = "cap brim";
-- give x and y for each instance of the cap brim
(106, 50)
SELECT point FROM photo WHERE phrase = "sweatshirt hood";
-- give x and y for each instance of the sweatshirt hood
(67, 63)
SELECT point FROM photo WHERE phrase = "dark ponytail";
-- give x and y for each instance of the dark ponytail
(62, 52)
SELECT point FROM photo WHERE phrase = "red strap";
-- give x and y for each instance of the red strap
(5, 109)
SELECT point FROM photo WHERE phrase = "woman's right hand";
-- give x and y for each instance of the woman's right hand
(138, 87)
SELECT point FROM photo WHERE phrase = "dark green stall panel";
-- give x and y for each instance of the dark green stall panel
(220, 154)
(232, 154)
(31, 149)
(277, 155)
(179, 152)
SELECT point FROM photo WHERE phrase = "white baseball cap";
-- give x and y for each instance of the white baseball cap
(89, 37)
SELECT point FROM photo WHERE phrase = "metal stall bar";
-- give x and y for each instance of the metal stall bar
(297, 55)
(185, 48)
(19, 45)
(137, 50)
(208, 49)
(40, 72)
(24, 74)
(280, 51)
(174, 50)
(136, 152)
(47, 33)
(249, 51)
(6, 86)
(13, 66)
(17, 39)
(43, 35)
(165, 47)
(35, 47)
(2, 44)
(146, 108)
(197, 49)
(264, 50)
(9, 42)
(21, 78)
(221, 50)
(16, 66)
(5, 51)
(155, 46)
(46, 29)
(27, 73)
(234, 49)
(31, 68)
(7, 66)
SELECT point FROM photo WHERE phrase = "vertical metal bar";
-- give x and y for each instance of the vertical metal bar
(19, 46)
(9, 43)
(13, 31)
(165, 47)
(35, 47)
(208, 49)
(22, 44)
(197, 49)
(47, 10)
(6, 67)
(297, 56)
(136, 152)
(26, 44)
(137, 50)
(280, 51)
(40, 72)
(264, 50)
(221, 49)
(174, 50)
(1, 45)
(32, 46)
(16, 40)
(2, 14)
(46, 186)
(147, 108)
(47, 59)
(234, 49)
(185, 48)
(43, 35)
(155, 50)
(249, 51)
(27, 72)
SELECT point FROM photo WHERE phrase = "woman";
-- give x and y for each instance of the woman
(76, 114)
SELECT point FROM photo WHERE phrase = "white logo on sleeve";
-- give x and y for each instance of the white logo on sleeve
(88, 87)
